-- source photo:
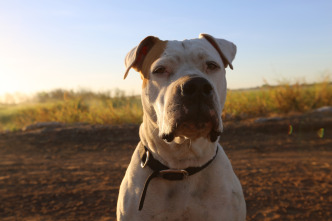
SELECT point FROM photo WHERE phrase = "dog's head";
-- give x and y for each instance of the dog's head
(184, 84)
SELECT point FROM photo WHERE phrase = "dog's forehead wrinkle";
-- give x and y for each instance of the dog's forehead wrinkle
(177, 48)
(192, 56)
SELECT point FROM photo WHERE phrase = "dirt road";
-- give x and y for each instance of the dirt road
(72, 172)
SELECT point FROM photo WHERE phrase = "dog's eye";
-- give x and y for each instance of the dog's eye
(211, 65)
(159, 70)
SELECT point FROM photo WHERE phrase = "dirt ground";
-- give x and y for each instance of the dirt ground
(73, 172)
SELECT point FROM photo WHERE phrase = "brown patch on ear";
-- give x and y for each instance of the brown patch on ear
(155, 53)
(136, 57)
(215, 44)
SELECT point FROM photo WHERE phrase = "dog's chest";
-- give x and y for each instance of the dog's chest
(189, 199)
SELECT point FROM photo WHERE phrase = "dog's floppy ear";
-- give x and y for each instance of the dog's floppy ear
(226, 49)
(136, 56)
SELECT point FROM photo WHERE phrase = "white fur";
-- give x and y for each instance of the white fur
(214, 193)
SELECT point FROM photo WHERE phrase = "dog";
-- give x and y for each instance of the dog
(179, 171)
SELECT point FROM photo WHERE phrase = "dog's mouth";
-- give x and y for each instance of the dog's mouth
(192, 123)
(190, 131)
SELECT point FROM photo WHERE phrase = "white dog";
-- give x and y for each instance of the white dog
(179, 171)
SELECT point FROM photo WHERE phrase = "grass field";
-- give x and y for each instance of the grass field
(117, 108)
(278, 100)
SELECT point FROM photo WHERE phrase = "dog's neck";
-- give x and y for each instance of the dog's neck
(178, 154)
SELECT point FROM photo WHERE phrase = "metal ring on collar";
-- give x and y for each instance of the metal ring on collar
(143, 164)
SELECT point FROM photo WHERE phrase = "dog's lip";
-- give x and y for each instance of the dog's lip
(192, 120)
(168, 137)
(199, 130)
(214, 135)
(180, 139)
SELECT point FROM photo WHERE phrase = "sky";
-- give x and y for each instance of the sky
(76, 44)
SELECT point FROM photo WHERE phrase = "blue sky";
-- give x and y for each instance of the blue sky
(75, 44)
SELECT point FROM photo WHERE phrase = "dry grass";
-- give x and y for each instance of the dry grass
(116, 108)
(70, 107)
(277, 100)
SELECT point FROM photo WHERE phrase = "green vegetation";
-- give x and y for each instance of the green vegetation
(117, 108)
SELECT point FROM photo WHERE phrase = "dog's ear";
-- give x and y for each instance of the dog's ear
(136, 56)
(226, 49)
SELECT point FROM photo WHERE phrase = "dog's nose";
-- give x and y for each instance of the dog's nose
(197, 86)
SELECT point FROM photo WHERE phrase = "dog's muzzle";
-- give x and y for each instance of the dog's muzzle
(192, 110)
